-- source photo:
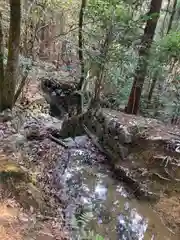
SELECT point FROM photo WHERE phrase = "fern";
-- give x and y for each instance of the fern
(85, 218)
(79, 225)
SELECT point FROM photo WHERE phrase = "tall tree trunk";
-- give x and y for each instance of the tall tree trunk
(42, 39)
(153, 84)
(140, 72)
(98, 68)
(1, 61)
(165, 17)
(60, 18)
(172, 16)
(81, 58)
(11, 74)
(152, 87)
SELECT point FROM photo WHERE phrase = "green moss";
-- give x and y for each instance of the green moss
(11, 171)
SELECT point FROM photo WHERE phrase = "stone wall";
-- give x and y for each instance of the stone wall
(140, 151)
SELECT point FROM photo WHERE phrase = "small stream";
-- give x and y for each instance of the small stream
(87, 186)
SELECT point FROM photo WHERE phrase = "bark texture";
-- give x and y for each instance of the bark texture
(140, 72)
(11, 74)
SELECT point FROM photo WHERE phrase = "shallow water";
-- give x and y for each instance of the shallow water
(89, 187)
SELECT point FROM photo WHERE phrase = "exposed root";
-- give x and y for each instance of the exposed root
(175, 179)
(161, 177)
(166, 162)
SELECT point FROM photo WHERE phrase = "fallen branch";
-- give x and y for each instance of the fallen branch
(175, 134)
(161, 177)
(58, 141)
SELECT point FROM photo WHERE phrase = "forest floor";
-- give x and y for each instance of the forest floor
(26, 212)
(144, 153)
(18, 223)
(28, 209)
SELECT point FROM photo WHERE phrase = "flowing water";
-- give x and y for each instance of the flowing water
(88, 186)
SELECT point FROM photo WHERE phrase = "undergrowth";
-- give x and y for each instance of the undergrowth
(81, 230)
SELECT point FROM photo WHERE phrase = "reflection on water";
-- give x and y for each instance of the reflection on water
(132, 225)
(100, 192)
(116, 216)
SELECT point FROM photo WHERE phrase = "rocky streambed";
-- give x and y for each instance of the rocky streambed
(86, 184)
(101, 189)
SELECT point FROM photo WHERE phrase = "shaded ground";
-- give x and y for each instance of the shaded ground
(154, 159)
(17, 223)
(27, 210)
(117, 213)
(144, 153)
(34, 199)
(169, 210)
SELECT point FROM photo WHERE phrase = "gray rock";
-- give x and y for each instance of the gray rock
(20, 140)
(81, 141)
(124, 136)
(32, 132)
(70, 142)
(123, 151)
(6, 115)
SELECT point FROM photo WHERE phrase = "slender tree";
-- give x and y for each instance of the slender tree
(9, 78)
(172, 16)
(81, 57)
(154, 81)
(1, 59)
(165, 18)
(152, 87)
(141, 69)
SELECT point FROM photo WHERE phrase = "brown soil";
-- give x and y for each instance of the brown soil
(169, 210)
(16, 224)
(27, 211)
(22, 207)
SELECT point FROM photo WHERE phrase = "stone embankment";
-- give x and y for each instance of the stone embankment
(143, 152)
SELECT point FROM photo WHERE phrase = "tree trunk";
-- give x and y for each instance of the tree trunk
(81, 58)
(153, 84)
(98, 68)
(11, 74)
(140, 72)
(61, 26)
(42, 39)
(172, 16)
(165, 17)
(1, 61)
